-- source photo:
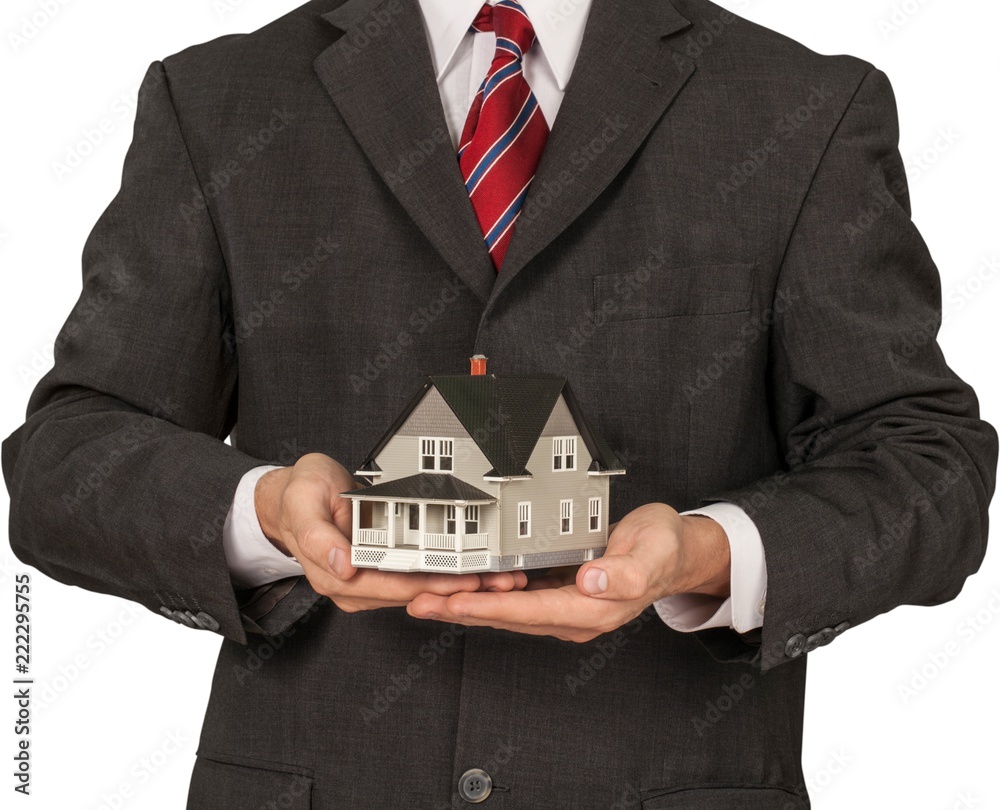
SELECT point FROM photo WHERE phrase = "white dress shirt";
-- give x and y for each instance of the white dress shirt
(461, 60)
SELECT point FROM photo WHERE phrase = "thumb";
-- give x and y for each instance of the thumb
(614, 576)
(341, 510)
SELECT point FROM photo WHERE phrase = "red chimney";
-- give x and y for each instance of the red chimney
(478, 363)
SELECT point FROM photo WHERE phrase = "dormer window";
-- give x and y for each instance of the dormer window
(564, 453)
(437, 455)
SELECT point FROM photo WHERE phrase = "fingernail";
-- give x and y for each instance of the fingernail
(595, 580)
(337, 559)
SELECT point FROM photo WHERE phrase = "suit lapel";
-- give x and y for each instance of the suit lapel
(381, 78)
(624, 79)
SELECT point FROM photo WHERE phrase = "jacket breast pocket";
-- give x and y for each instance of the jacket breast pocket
(665, 292)
(726, 798)
(233, 785)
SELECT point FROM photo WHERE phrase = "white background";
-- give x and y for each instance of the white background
(122, 691)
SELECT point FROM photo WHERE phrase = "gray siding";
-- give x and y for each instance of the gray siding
(433, 418)
(400, 458)
(546, 489)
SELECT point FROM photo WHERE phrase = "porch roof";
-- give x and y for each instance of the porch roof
(435, 487)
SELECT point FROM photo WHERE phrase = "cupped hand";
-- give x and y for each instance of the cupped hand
(302, 513)
(652, 552)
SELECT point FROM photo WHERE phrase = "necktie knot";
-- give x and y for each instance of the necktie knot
(515, 34)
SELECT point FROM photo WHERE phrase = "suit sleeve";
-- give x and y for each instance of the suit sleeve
(889, 469)
(120, 479)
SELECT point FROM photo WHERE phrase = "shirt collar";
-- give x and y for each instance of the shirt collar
(558, 27)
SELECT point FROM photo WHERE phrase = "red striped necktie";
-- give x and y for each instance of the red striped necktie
(505, 132)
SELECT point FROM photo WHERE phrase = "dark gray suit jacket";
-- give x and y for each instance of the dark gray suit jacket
(717, 252)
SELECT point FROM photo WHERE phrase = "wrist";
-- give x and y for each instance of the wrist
(267, 498)
(707, 557)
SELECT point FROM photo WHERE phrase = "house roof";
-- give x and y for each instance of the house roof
(505, 416)
(425, 486)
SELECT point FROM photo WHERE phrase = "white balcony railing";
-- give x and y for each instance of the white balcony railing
(373, 537)
(447, 541)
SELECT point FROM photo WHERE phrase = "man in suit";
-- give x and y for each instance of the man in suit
(667, 205)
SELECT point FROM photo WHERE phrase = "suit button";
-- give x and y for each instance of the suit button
(167, 612)
(826, 635)
(840, 628)
(183, 618)
(813, 642)
(208, 622)
(475, 785)
(795, 646)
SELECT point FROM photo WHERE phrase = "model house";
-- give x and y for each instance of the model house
(484, 472)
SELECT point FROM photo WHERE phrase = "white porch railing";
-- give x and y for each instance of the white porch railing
(447, 541)
(471, 541)
(439, 541)
(373, 537)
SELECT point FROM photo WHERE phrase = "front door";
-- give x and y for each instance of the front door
(411, 527)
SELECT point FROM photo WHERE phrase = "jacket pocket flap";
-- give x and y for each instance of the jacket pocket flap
(727, 798)
(219, 785)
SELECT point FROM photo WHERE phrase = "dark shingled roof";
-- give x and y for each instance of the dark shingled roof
(426, 486)
(505, 415)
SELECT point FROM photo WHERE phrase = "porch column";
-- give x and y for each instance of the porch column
(390, 507)
(421, 536)
(459, 527)
(356, 519)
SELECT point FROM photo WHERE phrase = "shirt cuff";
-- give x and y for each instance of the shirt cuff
(253, 560)
(743, 611)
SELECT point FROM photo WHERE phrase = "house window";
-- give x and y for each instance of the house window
(437, 455)
(524, 519)
(594, 512)
(472, 520)
(564, 453)
(428, 457)
(397, 509)
(414, 517)
(446, 454)
(565, 517)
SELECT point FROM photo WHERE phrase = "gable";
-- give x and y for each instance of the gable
(561, 422)
(505, 416)
(432, 417)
